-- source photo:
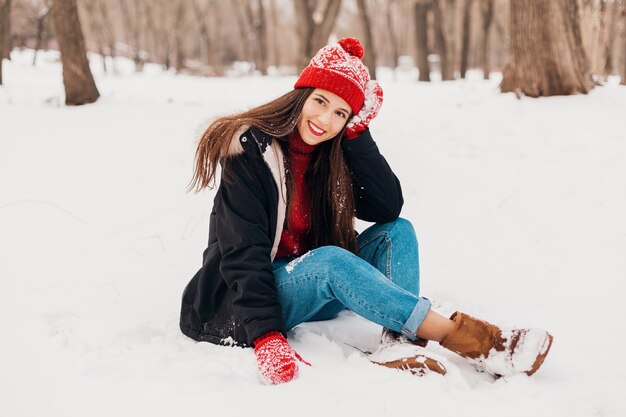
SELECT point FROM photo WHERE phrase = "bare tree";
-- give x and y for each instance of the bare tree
(623, 73)
(315, 21)
(442, 38)
(180, 10)
(465, 41)
(80, 87)
(486, 11)
(257, 20)
(546, 55)
(131, 19)
(421, 33)
(108, 31)
(201, 12)
(96, 27)
(369, 59)
(5, 30)
(275, 30)
(391, 32)
(42, 32)
(613, 13)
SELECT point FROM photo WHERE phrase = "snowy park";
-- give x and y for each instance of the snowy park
(518, 205)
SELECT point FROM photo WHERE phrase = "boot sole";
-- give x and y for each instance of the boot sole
(542, 356)
(417, 365)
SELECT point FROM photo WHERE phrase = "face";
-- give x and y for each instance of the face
(323, 116)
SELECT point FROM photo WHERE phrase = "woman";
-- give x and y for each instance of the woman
(282, 246)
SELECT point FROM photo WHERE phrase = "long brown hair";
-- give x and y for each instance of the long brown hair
(328, 177)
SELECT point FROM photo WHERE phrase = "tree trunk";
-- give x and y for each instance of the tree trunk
(486, 9)
(80, 87)
(132, 29)
(609, 67)
(97, 28)
(6, 44)
(393, 38)
(260, 26)
(443, 44)
(41, 28)
(313, 35)
(201, 15)
(421, 33)
(623, 74)
(179, 63)
(5, 31)
(451, 35)
(465, 42)
(369, 58)
(276, 34)
(108, 31)
(546, 55)
(245, 51)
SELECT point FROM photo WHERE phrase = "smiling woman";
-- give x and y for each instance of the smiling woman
(323, 116)
(282, 247)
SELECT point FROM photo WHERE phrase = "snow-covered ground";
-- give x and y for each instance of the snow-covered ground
(519, 207)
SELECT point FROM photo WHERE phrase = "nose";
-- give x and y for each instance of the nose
(324, 117)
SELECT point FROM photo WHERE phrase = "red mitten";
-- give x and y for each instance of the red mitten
(276, 359)
(373, 101)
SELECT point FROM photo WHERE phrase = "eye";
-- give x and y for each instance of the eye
(341, 114)
(319, 101)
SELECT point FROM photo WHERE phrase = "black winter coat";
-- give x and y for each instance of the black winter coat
(232, 299)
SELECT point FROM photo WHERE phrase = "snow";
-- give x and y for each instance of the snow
(518, 206)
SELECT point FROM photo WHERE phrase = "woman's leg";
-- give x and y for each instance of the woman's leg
(392, 249)
(329, 278)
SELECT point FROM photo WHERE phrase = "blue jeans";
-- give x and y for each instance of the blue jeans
(381, 284)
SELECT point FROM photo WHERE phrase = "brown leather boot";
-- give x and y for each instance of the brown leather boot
(497, 351)
(398, 352)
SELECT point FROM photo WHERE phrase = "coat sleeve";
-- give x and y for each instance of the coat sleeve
(245, 242)
(377, 191)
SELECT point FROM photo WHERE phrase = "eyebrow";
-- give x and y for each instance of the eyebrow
(328, 101)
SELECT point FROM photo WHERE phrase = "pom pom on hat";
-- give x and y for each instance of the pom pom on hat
(352, 46)
(338, 68)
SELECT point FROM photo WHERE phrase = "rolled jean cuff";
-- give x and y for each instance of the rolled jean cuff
(416, 318)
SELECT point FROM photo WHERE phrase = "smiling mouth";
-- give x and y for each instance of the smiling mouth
(314, 129)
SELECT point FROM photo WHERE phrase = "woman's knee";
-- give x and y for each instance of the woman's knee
(403, 227)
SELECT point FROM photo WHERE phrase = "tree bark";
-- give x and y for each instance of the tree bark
(179, 17)
(465, 41)
(97, 28)
(132, 28)
(451, 25)
(441, 36)
(313, 35)
(421, 33)
(486, 9)
(201, 15)
(42, 18)
(393, 38)
(5, 31)
(623, 73)
(260, 27)
(80, 87)
(276, 34)
(546, 55)
(369, 58)
(608, 51)
(245, 52)
(109, 33)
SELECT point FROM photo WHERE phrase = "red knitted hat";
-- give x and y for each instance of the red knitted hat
(338, 68)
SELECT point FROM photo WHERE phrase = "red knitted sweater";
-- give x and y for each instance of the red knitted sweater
(293, 241)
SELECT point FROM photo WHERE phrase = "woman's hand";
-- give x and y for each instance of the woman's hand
(373, 101)
(276, 359)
